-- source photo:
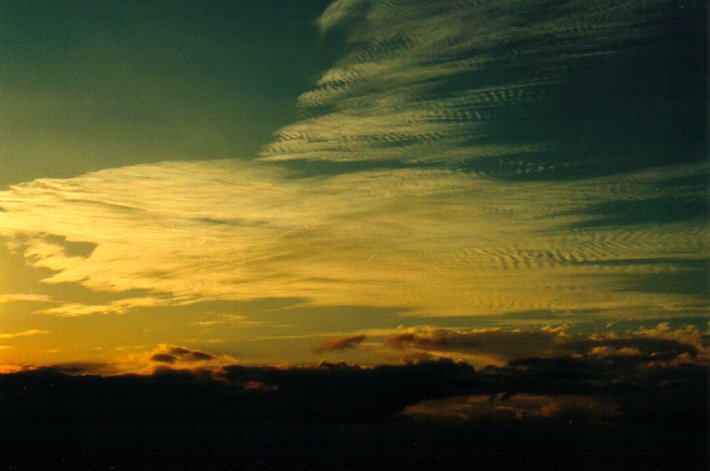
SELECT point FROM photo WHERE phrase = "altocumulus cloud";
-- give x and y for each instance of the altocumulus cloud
(454, 80)
(436, 241)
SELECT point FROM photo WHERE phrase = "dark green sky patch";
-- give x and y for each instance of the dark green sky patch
(648, 211)
(658, 261)
(690, 281)
(89, 85)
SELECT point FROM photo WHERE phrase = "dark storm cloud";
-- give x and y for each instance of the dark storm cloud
(343, 343)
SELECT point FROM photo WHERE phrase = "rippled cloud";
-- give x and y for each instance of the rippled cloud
(434, 241)
(518, 88)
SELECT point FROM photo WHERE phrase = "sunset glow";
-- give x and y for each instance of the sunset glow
(242, 192)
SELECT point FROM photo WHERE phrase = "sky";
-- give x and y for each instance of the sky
(199, 184)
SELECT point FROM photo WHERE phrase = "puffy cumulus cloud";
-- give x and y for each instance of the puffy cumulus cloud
(343, 343)
(454, 80)
(689, 334)
(434, 241)
(498, 346)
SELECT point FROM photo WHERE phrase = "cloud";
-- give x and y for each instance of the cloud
(226, 319)
(488, 343)
(498, 346)
(25, 333)
(338, 12)
(338, 392)
(8, 368)
(519, 407)
(344, 343)
(350, 416)
(120, 306)
(689, 334)
(611, 352)
(433, 241)
(180, 354)
(14, 298)
(545, 186)
(490, 82)
(328, 392)
(168, 356)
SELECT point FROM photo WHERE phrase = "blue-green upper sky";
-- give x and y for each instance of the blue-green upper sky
(255, 178)
(88, 85)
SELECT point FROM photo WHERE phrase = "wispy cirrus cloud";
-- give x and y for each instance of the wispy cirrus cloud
(20, 297)
(24, 333)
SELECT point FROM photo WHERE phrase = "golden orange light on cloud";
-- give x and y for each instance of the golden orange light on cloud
(435, 242)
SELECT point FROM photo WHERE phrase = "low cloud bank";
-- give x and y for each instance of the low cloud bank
(609, 387)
